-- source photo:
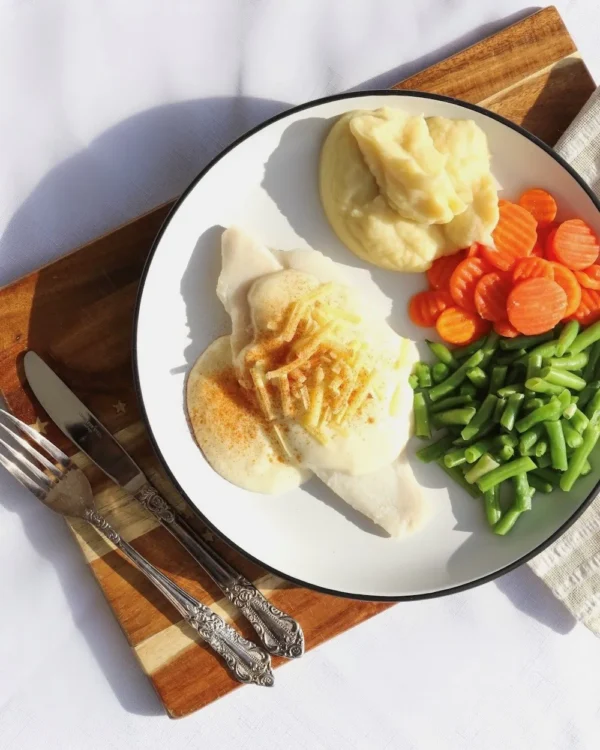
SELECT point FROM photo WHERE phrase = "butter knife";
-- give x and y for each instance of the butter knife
(280, 634)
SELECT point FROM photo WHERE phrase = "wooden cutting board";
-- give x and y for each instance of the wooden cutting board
(77, 313)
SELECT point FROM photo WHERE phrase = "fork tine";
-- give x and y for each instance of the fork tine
(42, 478)
(22, 478)
(43, 442)
(32, 451)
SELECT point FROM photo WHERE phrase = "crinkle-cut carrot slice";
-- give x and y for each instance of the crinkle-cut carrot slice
(457, 326)
(536, 305)
(505, 329)
(590, 278)
(473, 250)
(441, 270)
(425, 307)
(464, 280)
(575, 245)
(540, 204)
(531, 268)
(491, 293)
(588, 310)
(566, 279)
(514, 237)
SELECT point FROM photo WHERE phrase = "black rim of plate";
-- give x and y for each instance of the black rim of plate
(282, 115)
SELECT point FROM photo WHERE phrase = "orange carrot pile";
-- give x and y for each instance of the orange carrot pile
(539, 272)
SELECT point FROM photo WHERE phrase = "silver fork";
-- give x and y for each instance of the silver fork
(65, 489)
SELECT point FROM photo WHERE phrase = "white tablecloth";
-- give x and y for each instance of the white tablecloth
(109, 108)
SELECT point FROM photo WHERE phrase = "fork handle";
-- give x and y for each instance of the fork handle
(280, 634)
(247, 661)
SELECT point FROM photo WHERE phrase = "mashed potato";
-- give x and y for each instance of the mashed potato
(402, 190)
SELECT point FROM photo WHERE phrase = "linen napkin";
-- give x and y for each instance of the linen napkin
(571, 566)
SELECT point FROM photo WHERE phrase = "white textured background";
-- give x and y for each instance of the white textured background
(108, 108)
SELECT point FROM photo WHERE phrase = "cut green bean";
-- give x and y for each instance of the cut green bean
(539, 484)
(570, 410)
(421, 416)
(572, 438)
(478, 377)
(443, 354)
(452, 382)
(591, 370)
(587, 468)
(461, 416)
(483, 415)
(489, 347)
(439, 372)
(468, 389)
(564, 399)
(523, 492)
(506, 453)
(413, 381)
(539, 385)
(491, 503)
(515, 375)
(547, 412)
(508, 390)
(546, 350)
(573, 362)
(563, 378)
(579, 420)
(499, 409)
(567, 337)
(534, 365)
(530, 438)
(579, 457)
(511, 412)
(525, 342)
(544, 461)
(588, 393)
(483, 466)
(592, 410)
(548, 475)
(462, 352)
(507, 521)
(457, 476)
(558, 447)
(460, 442)
(497, 378)
(436, 450)
(508, 358)
(423, 372)
(540, 448)
(586, 338)
(450, 403)
(506, 471)
(475, 452)
(502, 440)
(533, 403)
(455, 457)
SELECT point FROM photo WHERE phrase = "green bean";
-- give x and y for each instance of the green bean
(461, 416)
(499, 409)
(530, 438)
(563, 378)
(483, 466)
(423, 372)
(483, 415)
(455, 457)
(510, 413)
(422, 428)
(456, 378)
(539, 484)
(588, 393)
(502, 440)
(579, 421)
(450, 403)
(497, 378)
(540, 448)
(592, 410)
(525, 342)
(432, 452)
(546, 350)
(515, 375)
(478, 377)
(476, 451)
(544, 461)
(574, 362)
(539, 385)
(489, 347)
(439, 372)
(507, 521)
(570, 410)
(506, 471)
(508, 358)
(443, 354)
(533, 403)
(567, 337)
(534, 365)
(591, 370)
(468, 389)
(558, 447)
(413, 381)
(587, 468)
(523, 492)
(463, 352)
(548, 475)
(483, 432)
(564, 399)
(579, 457)
(572, 438)
(508, 390)
(456, 474)
(550, 411)
(588, 337)
(491, 503)
(506, 453)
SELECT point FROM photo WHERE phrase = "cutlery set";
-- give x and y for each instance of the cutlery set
(51, 476)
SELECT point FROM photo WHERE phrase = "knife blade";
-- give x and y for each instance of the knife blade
(279, 633)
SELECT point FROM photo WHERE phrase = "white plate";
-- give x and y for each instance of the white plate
(267, 183)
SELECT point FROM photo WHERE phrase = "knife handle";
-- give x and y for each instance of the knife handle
(280, 634)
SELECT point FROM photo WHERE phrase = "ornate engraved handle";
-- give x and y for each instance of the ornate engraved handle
(247, 661)
(279, 633)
